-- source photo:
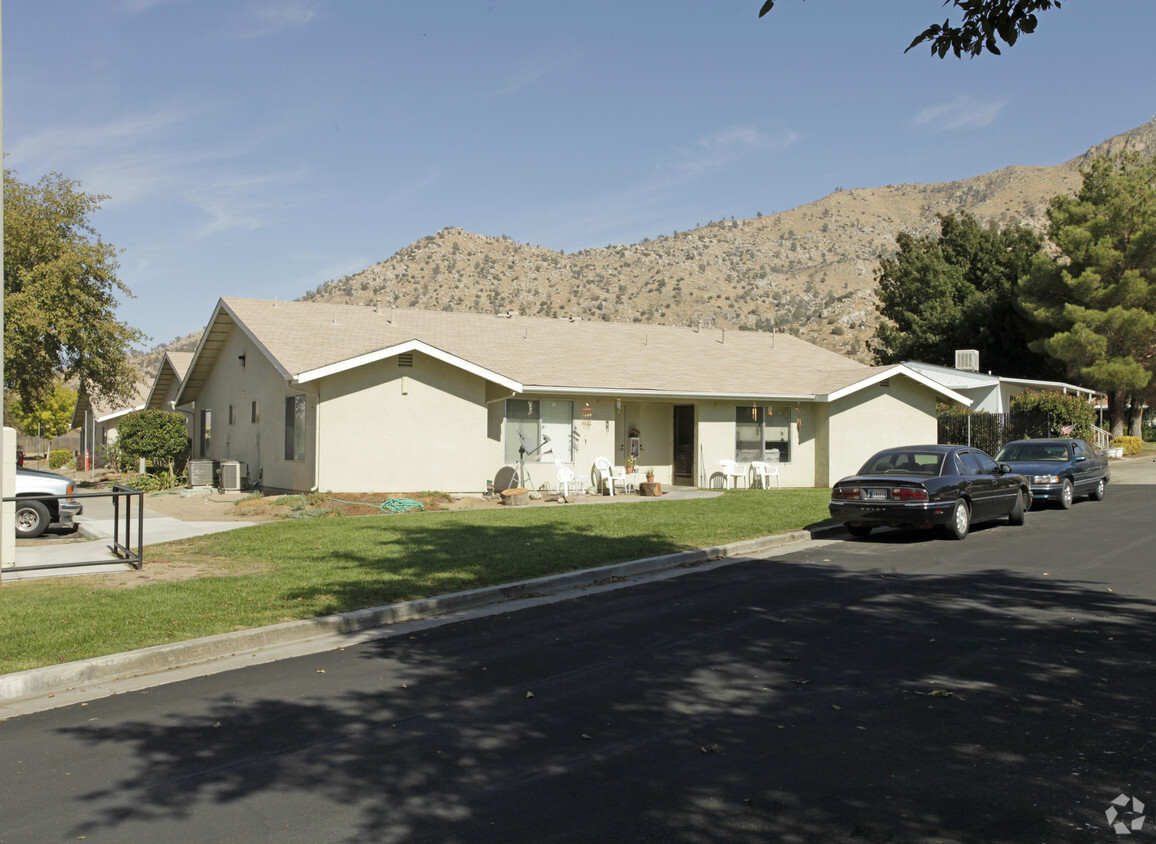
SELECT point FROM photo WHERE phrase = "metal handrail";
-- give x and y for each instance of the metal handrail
(119, 549)
(1101, 439)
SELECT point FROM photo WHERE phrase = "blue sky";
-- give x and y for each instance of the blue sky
(262, 147)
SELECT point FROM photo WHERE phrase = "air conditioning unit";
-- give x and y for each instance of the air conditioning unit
(967, 360)
(233, 472)
(201, 472)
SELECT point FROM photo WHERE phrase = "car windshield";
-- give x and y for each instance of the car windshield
(904, 463)
(1033, 452)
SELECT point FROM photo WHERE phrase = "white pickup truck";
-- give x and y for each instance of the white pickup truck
(42, 500)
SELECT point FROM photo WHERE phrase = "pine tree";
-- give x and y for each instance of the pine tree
(1097, 297)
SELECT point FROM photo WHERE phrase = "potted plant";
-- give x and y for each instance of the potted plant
(650, 476)
(631, 462)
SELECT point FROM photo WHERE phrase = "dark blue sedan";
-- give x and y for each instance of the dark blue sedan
(1059, 470)
(946, 486)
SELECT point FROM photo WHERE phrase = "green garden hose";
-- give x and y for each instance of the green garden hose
(390, 505)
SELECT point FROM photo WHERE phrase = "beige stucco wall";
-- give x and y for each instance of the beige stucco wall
(387, 428)
(716, 441)
(593, 435)
(261, 445)
(875, 418)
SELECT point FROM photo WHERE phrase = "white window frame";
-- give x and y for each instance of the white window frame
(539, 418)
(760, 445)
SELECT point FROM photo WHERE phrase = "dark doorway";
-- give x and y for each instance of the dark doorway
(684, 444)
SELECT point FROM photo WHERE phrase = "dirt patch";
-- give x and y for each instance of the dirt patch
(161, 570)
(248, 507)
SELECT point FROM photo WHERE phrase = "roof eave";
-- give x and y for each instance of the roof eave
(906, 371)
(400, 349)
(190, 385)
(634, 393)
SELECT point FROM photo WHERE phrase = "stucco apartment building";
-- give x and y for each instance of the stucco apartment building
(327, 397)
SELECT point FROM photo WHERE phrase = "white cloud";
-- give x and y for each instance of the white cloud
(725, 146)
(538, 69)
(240, 202)
(147, 5)
(276, 15)
(963, 112)
(152, 159)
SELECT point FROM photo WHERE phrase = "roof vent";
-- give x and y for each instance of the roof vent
(967, 360)
(405, 359)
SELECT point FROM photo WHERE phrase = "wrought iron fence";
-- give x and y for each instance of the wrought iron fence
(990, 431)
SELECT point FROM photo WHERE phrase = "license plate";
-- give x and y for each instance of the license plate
(875, 494)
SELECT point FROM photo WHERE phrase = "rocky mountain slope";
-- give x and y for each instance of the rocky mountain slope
(810, 270)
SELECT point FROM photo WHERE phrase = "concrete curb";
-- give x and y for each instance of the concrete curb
(35, 682)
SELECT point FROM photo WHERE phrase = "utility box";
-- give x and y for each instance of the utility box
(202, 472)
(233, 473)
(967, 360)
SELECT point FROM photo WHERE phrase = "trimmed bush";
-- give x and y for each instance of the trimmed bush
(1131, 445)
(157, 436)
(1063, 409)
(59, 457)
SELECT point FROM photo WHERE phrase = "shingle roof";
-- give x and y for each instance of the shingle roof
(173, 367)
(103, 409)
(301, 338)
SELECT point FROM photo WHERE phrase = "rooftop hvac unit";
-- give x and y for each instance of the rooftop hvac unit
(232, 473)
(967, 360)
(201, 472)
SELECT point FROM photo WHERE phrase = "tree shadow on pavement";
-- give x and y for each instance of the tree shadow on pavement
(823, 705)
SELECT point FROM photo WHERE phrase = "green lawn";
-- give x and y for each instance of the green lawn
(283, 571)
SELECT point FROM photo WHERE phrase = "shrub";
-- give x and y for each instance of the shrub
(1063, 409)
(155, 435)
(153, 483)
(1131, 445)
(59, 457)
(109, 455)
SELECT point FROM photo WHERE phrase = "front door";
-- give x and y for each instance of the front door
(684, 444)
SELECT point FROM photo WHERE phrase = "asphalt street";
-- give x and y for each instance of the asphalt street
(898, 688)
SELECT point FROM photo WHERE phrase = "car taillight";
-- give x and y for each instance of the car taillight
(846, 493)
(908, 493)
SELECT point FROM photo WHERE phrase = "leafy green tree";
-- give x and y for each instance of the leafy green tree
(984, 24)
(1096, 299)
(156, 435)
(60, 294)
(957, 291)
(51, 417)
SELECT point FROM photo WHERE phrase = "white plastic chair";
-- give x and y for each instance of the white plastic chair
(732, 473)
(763, 472)
(609, 477)
(565, 478)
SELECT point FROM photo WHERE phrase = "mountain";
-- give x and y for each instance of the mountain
(809, 271)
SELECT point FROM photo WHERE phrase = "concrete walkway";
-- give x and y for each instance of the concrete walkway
(98, 544)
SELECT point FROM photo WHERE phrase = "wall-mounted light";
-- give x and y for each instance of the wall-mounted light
(241, 358)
